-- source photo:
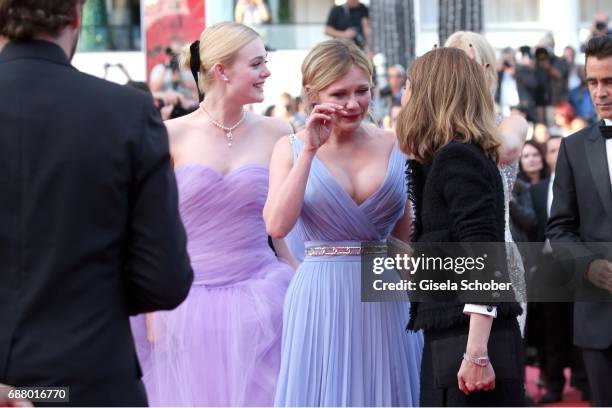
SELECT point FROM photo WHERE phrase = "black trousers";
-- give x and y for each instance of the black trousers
(442, 356)
(598, 364)
(557, 347)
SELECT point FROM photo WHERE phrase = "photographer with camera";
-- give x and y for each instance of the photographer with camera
(598, 28)
(551, 74)
(517, 84)
(168, 76)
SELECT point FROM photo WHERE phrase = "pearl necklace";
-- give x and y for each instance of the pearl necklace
(228, 130)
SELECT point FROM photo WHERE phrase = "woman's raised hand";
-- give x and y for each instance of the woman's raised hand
(319, 124)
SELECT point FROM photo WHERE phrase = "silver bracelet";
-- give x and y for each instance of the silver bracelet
(479, 361)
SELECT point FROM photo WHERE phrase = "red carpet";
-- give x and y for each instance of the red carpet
(571, 396)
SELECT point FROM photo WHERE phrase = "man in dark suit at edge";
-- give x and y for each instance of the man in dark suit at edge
(89, 225)
(581, 213)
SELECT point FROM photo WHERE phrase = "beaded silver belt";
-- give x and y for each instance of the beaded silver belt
(345, 250)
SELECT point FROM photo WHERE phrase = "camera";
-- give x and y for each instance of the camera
(601, 25)
(525, 51)
(174, 62)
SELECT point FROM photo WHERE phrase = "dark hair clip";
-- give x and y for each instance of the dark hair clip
(194, 50)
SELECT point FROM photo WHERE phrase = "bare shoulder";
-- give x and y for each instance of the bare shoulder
(275, 127)
(283, 151)
(177, 127)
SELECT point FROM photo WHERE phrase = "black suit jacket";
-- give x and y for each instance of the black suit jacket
(582, 213)
(552, 279)
(89, 226)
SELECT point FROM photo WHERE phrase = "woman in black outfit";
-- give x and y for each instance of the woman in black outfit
(473, 353)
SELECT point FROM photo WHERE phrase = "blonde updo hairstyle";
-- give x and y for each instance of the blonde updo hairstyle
(483, 53)
(219, 44)
(326, 63)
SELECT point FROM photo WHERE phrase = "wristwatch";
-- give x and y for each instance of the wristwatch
(479, 361)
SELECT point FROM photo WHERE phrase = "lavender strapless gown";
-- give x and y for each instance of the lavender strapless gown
(221, 346)
(337, 350)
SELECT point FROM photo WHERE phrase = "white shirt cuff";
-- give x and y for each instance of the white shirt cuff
(480, 309)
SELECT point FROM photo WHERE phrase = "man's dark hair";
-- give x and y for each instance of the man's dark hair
(599, 47)
(22, 20)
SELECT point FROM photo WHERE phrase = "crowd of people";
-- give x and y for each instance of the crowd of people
(236, 240)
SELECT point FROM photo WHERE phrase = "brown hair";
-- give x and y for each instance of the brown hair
(599, 47)
(22, 20)
(329, 61)
(541, 148)
(219, 44)
(449, 100)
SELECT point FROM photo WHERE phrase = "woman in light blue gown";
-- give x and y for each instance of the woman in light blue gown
(336, 184)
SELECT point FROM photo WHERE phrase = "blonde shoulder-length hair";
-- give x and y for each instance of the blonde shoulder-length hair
(449, 100)
(484, 54)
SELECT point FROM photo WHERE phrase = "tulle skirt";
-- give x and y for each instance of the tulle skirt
(338, 351)
(221, 347)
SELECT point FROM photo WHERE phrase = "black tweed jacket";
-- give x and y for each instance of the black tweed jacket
(459, 197)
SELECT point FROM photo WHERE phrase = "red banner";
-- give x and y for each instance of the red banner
(170, 24)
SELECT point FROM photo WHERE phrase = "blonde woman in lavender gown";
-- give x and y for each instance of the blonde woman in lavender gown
(221, 347)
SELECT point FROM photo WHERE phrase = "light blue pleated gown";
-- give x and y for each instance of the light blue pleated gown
(336, 350)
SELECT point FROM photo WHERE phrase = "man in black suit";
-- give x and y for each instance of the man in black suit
(89, 224)
(582, 213)
(550, 323)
